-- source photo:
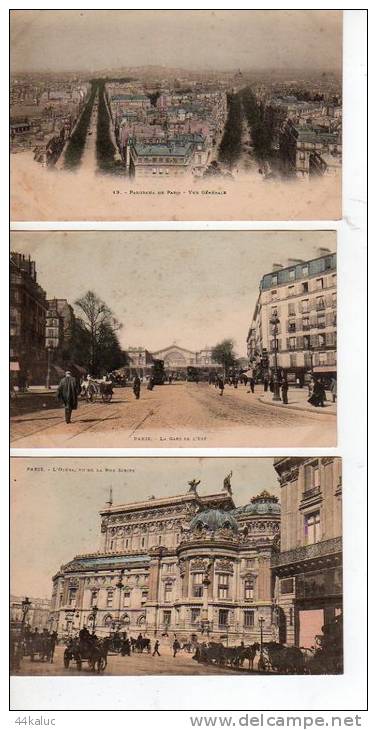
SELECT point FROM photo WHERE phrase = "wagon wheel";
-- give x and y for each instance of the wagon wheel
(79, 664)
(89, 395)
(102, 664)
(66, 659)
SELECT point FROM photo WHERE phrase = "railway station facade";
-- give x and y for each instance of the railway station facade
(188, 565)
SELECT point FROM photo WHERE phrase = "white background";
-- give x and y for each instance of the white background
(221, 695)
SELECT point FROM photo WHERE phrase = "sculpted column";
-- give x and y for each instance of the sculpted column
(154, 581)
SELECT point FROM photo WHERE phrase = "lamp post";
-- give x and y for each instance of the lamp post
(25, 606)
(275, 321)
(119, 585)
(94, 616)
(261, 663)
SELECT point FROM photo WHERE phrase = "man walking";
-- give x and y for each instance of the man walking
(156, 648)
(220, 385)
(252, 385)
(136, 387)
(176, 647)
(67, 394)
(284, 391)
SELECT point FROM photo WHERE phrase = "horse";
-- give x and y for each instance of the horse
(249, 652)
(285, 659)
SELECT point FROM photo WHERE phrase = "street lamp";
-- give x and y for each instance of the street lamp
(261, 663)
(94, 616)
(25, 606)
(275, 321)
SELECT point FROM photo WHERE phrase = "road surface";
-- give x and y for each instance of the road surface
(134, 665)
(179, 415)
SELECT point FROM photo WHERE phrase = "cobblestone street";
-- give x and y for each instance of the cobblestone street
(136, 664)
(177, 415)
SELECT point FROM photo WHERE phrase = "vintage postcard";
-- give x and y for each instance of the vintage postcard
(176, 566)
(173, 339)
(176, 115)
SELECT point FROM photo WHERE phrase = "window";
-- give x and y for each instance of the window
(291, 343)
(143, 542)
(305, 323)
(293, 361)
(248, 619)
(250, 563)
(94, 598)
(223, 617)
(197, 580)
(333, 298)
(274, 280)
(319, 283)
(320, 303)
(312, 528)
(305, 305)
(249, 590)
(109, 600)
(195, 614)
(321, 321)
(305, 270)
(61, 599)
(72, 596)
(166, 617)
(144, 596)
(168, 592)
(321, 340)
(316, 476)
(126, 598)
(291, 274)
(304, 287)
(223, 585)
(274, 295)
(291, 308)
(322, 358)
(291, 291)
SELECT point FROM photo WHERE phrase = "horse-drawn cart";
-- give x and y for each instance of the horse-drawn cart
(94, 653)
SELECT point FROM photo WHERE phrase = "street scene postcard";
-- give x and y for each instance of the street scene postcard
(176, 566)
(173, 339)
(176, 115)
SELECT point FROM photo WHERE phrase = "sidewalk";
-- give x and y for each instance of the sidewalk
(298, 401)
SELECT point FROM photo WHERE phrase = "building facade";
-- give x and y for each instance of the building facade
(28, 309)
(190, 565)
(303, 298)
(308, 570)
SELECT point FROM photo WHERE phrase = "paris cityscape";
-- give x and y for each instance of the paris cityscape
(212, 573)
(232, 128)
(255, 362)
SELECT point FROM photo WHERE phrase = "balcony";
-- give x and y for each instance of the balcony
(310, 493)
(308, 552)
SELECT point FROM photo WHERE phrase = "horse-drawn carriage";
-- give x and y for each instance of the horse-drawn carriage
(39, 647)
(94, 652)
(92, 390)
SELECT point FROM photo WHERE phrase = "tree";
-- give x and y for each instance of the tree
(98, 327)
(224, 354)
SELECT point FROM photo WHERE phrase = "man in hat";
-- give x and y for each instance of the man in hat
(67, 394)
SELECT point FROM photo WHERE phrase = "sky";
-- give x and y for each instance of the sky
(54, 511)
(228, 40)
(189, 288)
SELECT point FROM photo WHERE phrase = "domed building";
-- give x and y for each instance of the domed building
(193, 566)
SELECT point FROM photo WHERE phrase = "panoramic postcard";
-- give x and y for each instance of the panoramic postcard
(176, 115)
(173, 339)
(176, 566)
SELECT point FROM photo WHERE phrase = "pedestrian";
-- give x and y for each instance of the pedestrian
(67, 394)
(156, 648)
(150, 385)
(220, 385)
(318, 395)
(136, 387)
(176, 647)
(252, 385)
(265, 384)
(271, 384)
(284, 391)
(333, 389)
